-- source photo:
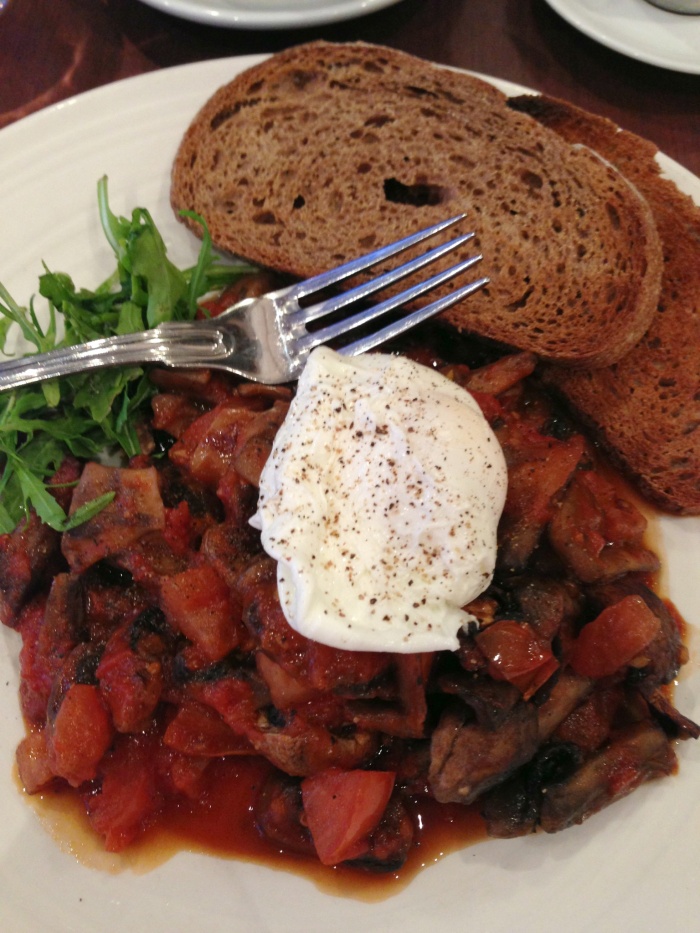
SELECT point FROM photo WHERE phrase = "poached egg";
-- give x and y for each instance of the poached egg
(380, 503)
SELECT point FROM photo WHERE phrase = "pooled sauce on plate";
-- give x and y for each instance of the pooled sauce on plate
(222, 825)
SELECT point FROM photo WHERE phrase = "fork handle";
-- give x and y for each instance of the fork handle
(182, 344)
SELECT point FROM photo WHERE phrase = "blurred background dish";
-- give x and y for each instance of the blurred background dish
(637, 29)
(268, 14)
(678, 6)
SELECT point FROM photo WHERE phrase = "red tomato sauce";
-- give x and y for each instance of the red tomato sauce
(222, 825)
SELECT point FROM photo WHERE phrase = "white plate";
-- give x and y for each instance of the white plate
(638, 29)
(268, 14)
(632, 866)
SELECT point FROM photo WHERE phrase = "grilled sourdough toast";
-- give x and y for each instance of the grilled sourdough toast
(646, 407)
(326, 151)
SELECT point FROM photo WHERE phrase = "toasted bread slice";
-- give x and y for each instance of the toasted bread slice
(646, 407)
(325, 151)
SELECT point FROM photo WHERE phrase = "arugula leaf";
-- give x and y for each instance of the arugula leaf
(88, 510)
(88, 414)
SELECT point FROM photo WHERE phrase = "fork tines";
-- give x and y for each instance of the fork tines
(366, 289)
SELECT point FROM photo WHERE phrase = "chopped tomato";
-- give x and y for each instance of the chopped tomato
(234, 700)
(319, 666)
(334, 668)
(129, 797)
(37, 668)
(182, 775)
(614, 638)
(130, 682)
(539, 468)
(80, 735)
(286, 690)
(179, 530)
(199, 730)
(199, 604)
(490, 406)
(515, 653)
(342, 808)
(33, 762)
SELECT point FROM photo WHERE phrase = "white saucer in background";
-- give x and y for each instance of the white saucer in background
(638, 29)
(268, 14)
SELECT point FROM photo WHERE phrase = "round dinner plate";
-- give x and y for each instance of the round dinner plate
(638, 29)
(631, 866)
(268, 14)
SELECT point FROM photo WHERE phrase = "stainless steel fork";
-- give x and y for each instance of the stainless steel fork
(266, 339)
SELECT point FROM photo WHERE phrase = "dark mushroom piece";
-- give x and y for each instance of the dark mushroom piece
(467, 759)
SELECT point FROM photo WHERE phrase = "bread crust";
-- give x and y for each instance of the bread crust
(645, 408)
(326, 151)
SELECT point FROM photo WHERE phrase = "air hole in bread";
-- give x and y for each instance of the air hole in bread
(301, 78)
(415, 91)
(614, 216)
(299, 202)
(522, 301)
(225, 114)
(419, 195)
(380, 119)
(532, 180)
(264, 217)
(556, 198)
(462, 160)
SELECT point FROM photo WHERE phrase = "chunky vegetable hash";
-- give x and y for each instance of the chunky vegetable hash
(154, 644)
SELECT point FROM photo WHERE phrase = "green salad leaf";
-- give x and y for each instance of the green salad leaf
(94, 412)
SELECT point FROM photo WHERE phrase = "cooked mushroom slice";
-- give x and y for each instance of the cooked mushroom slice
(674, 723)
(300, 747)
(467, 759)
(136, 510)
(598, 534)
(566, 694)
(639, 753)
(512, 808)
(491, 701)
(279, 812)
(389, 844)
(24, 557)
